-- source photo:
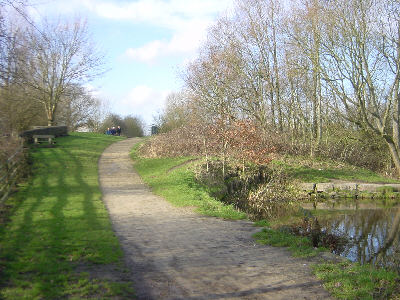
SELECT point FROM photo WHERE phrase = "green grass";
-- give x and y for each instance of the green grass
(58, 222)
(318, 171)
(298, 246)
(344, 280)
(262, 223)
(179, 186)
(341, 280)
(352, 281)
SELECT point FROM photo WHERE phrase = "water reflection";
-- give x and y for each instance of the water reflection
(373, 232)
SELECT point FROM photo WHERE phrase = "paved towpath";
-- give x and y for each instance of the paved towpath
(174, 253)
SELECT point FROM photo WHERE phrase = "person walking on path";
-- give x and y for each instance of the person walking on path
(175, 253)
(119, 130)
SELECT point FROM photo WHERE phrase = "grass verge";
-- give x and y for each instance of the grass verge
(298, 246)
(344, 280)
(58, 242)
(178, 186)
(317, 171)
(353, 281)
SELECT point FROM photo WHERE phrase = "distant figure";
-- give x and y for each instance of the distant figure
(119, 130)
(108, 132)
(154, 129)
(113, 130)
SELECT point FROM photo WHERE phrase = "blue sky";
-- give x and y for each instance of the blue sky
(147, 43)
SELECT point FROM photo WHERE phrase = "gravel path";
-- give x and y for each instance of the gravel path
(174, 253)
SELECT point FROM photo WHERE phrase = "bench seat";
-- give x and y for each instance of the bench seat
(39, 137)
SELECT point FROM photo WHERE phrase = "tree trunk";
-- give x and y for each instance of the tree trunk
(50, 116)
(206, 154)
(225, 146)
(396, 97)
(272, 109)
(277, 83)
(394, 154)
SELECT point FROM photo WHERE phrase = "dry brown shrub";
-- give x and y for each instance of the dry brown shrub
(240, 140)
(271, 201)
(182, 141)
(8, 146)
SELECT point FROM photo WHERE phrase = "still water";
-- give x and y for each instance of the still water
(372, 230)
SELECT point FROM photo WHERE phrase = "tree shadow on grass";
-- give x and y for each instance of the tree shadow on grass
(27, 252)
(94, 217)
(101, 258)
(60, 224)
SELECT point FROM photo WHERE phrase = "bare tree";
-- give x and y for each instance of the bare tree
(62, 55)
(17, 111)
(304, 28)
(95, 121)
(334, 65)
(260, 47)
(132, 126)
(210, 79)
(77, 108)
(361, 65)
(177, 111)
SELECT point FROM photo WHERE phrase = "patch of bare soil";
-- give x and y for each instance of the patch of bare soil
(174, 253)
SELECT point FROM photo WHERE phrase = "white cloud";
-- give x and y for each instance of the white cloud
(92, 90)
(40, 9)
(144, 101)
(166, 13)
(184, 41)
(148, 52)
(186, 20)
(170, 14)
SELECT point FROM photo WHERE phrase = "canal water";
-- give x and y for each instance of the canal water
(372, 231)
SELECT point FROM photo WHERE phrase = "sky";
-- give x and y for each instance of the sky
(147, 45)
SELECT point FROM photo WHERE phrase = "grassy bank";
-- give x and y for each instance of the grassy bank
(343, 280)
(173, 179)
(305, 169)
(58, 241)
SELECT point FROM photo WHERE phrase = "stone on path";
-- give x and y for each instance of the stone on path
(174, 253)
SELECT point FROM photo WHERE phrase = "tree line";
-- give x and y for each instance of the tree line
(322, 75)
(46, 67)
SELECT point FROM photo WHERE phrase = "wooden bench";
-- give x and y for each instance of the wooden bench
(39, 137)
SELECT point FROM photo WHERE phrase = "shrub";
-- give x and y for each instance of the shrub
(273, 199)
(261, 191)
(8, 146)
(358, 148)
